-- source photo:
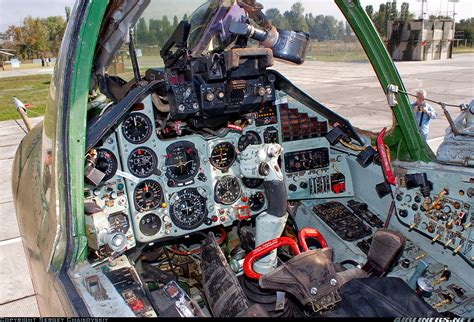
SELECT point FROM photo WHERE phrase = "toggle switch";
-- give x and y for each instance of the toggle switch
(449, 224)
(435, 238)
(448, 243)
(422, 255)
(444, 277)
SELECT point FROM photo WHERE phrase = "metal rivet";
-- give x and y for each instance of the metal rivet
(333, 281)
(313, 290)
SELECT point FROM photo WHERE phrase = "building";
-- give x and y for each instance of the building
(420, 39)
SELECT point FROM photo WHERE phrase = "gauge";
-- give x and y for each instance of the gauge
(150, 224)
(227, 190)
(148, 195)
(106, 162)
(118, 223)
(270, 135)
(252, 183)
(137, 128)
(223, 155)
(142, 162)
(182, 161)
(256, 201)
(249, 138)
(189, 209)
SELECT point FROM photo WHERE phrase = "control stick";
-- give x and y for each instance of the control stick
(261, 162)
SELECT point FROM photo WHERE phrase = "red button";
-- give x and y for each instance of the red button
(222, 218)
(244, 199)
(214, 218)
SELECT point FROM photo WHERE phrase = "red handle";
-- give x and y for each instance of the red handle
(311, 232)
(263, 250)
(387, 169)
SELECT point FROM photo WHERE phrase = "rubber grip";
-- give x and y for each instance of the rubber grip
(276, 197)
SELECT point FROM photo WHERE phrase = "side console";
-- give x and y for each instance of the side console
(438, 202)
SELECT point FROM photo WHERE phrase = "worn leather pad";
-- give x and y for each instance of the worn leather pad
(309, 276)
(221, 287)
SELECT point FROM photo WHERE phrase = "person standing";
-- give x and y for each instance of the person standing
(424, 113)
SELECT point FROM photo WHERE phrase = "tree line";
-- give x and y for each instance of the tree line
(155, 32)
(467, 27)
(37, 37)
(41, 37)
(388, 12)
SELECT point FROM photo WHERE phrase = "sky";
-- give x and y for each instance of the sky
(13, 12)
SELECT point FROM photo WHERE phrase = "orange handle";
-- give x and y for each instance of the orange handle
(311, 232)
(263, 250)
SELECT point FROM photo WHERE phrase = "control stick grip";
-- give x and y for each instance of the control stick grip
(277, 198)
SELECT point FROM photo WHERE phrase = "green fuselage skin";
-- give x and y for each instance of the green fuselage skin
(48, 170)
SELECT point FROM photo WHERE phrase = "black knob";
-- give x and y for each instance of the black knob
(417, 199)
(208, 221)
(292, 187)
(403, 213)
(399, 197)
(414, 207)
(304, 185)
(264, 169)
(405, 263)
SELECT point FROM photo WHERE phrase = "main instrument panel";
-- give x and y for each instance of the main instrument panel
(177, 186)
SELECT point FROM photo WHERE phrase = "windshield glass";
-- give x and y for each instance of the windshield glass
(336, 72)
(211, 21)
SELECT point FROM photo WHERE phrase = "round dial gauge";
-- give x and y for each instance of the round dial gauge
(182, 161)
(142, 162)
(189, 210)
(223, 155)
(106, 162)
(137, 128)
(148, 195)
(249, 138)
(150, 225)
(270, 135)
(227, 190)
(119, 223)
(252, 183)
(256, 201)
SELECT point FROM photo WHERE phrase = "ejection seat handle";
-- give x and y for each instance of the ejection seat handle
(263, 250)
(311, 232)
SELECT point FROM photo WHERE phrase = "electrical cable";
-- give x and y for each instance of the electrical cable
(352, 146)
(432, 101)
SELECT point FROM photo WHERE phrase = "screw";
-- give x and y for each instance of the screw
(313, 290)
(333, 281)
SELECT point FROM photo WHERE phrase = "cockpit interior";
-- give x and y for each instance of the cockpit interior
(214, 186)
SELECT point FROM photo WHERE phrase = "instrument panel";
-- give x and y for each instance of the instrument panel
(185, 184)
(177, 186)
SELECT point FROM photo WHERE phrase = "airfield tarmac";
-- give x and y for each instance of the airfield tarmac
(350, 89)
